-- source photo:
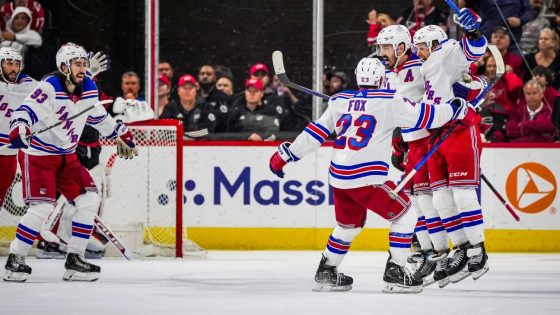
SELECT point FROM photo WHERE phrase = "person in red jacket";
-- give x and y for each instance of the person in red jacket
(500, 101)
(37, 13)
(532, 121)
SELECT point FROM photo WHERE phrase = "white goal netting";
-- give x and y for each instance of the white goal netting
(142, 198)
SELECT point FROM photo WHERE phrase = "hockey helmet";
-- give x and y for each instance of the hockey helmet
(67, 53)
(370, 72)
(429, 34)
(395, 35)
(9, 53)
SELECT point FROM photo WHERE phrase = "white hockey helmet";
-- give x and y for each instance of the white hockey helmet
(370, 72)
(395, 35)
(429, 34)
(9, 53)
(67, 52)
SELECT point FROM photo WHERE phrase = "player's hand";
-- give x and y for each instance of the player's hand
(280, 158)
(464, 112)
(20, 135)
(98, 63)
(126, 147)
(469, 88)
(467, 19)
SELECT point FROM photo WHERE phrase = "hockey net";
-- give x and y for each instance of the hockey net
(142, 198)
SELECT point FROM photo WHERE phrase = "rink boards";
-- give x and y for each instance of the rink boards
(234, 202)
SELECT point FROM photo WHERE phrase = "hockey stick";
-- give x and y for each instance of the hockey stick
(113, 238)
(278, 63)
(499, 196)
(500, 69)
(58, 123)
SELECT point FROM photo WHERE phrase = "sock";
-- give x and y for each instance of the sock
(400, 237)
(421, 229)
(82, 222)
(450, 217)
(338, 244)
(435, 228)
(471, 214)
(29, 227)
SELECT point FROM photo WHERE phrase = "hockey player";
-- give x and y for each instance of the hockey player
(49, 163)
(364, 122)
(403, 75)
(14, 87)
(454, 169)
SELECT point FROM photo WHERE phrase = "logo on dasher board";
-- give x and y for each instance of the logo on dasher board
(531, 187)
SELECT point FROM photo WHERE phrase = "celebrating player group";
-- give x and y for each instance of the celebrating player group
(421, 86)
(40, 126)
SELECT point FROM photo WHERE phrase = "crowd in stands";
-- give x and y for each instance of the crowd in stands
(524, 103)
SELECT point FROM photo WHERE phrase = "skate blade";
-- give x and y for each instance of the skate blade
(73, 275)
(459, 275)
(443, 283)
(479, 273)
(392, 288)
(429, 280)
(11, 276)
(320, 287)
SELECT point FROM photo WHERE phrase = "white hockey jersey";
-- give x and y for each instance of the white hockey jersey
(446, 65)
(49, 103)
(408, 81)
(11, 97)
(364, 121)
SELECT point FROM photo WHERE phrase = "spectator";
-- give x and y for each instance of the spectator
(376, 23)
(18, 33)
(195, 113)
(546, 56)
(260, 71)
(164, 88)
(420, 14)
(36, 9)
(500, 101)
(516, 13)
(544, 77)
(165, 67)
(295, 118)
(530, 35)
(225, 84)
(513, 62)
(254, 114)
(532, 122)
(338, 81)
(214, 97)
(130, 106)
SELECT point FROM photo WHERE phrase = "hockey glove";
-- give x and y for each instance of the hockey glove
(468, 20)
(280, 158)
(463, 112)
(126, 148)
(20, 134)
(98, 63)
(470, 88)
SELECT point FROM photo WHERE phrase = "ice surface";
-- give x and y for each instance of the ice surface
(278, 282)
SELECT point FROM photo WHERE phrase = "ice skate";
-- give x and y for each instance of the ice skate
(440, 273)
(478, 261)
(423, 267)
(328, 278)
(457, 269)
(16, 269)
(77, 269)
(48, 250)
(398, 279)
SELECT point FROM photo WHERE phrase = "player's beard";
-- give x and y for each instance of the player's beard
(11, 77)
(74, 78)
